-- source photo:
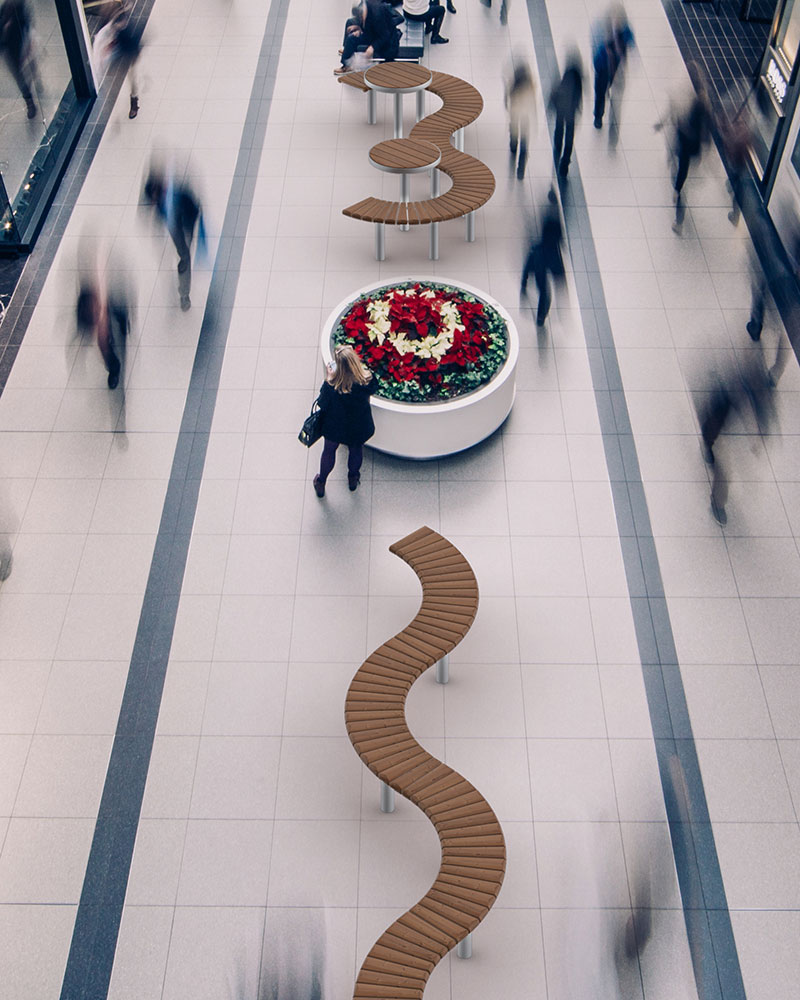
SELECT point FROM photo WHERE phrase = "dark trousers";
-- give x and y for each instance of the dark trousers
(686, 151)
(351, 40)
(432, 17)
(182, 238)
(355, 456)
(16, 70)
(563, 139)
(602, 82)
(534, 264)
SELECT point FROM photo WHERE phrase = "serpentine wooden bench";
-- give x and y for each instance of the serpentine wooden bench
(473, 848)
(473, 182)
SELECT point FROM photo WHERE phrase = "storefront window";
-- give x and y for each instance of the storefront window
(787, 38)
(41, 103)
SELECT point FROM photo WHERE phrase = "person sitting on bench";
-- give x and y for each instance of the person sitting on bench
(372, 32)
(431, 13)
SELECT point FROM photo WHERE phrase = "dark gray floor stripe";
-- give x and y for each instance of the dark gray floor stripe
(708, 924)
(94, 939)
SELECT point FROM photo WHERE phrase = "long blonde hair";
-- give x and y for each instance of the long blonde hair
(349, 369)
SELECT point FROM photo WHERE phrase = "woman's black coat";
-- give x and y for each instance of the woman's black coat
(347, 416)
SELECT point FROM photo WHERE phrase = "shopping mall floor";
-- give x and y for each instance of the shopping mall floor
(632, 664)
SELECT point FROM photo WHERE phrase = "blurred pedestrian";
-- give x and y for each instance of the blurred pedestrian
(520, 101)
(612, 38)
(737, 140)
(504, 5)
(692, 134)
(176, 204)
(544, 258)
(120, 42)
(106, 316)
(566, 100)
(346, 415)
(745, 387)
(16, 44)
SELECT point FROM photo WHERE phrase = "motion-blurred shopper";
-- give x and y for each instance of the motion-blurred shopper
(119, 41)
(177, 206)
(566, 100)
(432, 14)
(16, 44)
(740, 389)
(105, 314)
(692, 134)
(504, 5)
(375, 35)
(544, 258)
(737, 137)
(520, 101)
(346, 415)
(611, 40)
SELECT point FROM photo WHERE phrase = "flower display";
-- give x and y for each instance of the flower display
(424, 341)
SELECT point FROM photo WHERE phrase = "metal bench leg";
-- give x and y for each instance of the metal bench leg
(420, 104)
(443, 669)
(372, 107)
(434, 251)
(471, 227)
(405, 196)
(460, 139)
(387, 806)
(380, 241)
(398, 116)
(464, 948)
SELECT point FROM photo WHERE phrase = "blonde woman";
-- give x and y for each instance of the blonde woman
(346, 415)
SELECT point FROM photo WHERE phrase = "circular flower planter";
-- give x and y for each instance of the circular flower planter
(432, 429)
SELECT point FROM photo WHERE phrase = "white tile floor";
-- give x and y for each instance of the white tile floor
(260, 829)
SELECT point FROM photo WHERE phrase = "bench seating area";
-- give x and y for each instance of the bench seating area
(473, 848)
(473, 182)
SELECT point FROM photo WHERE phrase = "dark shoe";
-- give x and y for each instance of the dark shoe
(754, 329)
(186, 303)
(563, 169)
(451, 6)
(598, 123)
(113, 380)
(353, 481)
(134, 107)
(182, 266)
(708, 454)
(439, 40)
(319, 487)
(31, 108)
(719, 513)
(520, 173)
(6, 563)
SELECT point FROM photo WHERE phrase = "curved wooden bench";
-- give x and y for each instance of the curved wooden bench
(473, 181)
(473, 849)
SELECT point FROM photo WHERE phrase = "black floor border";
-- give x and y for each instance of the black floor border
(94, 939)
(710, 933)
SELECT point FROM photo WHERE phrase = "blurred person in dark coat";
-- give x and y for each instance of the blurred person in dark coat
(612, 38)
(105, 314)
(544, 259)
(566, 100)
(16, 25)
(176, 205)
(346, 415)
(520, 101)
(374, 33)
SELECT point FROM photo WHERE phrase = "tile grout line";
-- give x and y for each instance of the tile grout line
(92, 950)
(708, 924)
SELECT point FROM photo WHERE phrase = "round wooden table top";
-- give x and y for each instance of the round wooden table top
(398, 77)
(405, 156)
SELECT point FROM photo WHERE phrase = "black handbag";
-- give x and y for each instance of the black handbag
(311, 431)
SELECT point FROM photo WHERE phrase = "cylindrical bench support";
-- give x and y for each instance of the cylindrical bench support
(398, 116)
(420, 104)
(372, 107)
(434, 251)
(387, 804)
(443, 669)
(459, 137)
(405, 196)
(464, 948)
(380, 241)
(470, 227)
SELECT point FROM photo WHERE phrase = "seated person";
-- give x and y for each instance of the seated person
(374, 33)
(429, 12)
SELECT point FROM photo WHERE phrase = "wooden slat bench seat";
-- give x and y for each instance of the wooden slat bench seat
(473, 849)
(473, 182)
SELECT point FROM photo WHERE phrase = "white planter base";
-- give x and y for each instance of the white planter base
(432, 430)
